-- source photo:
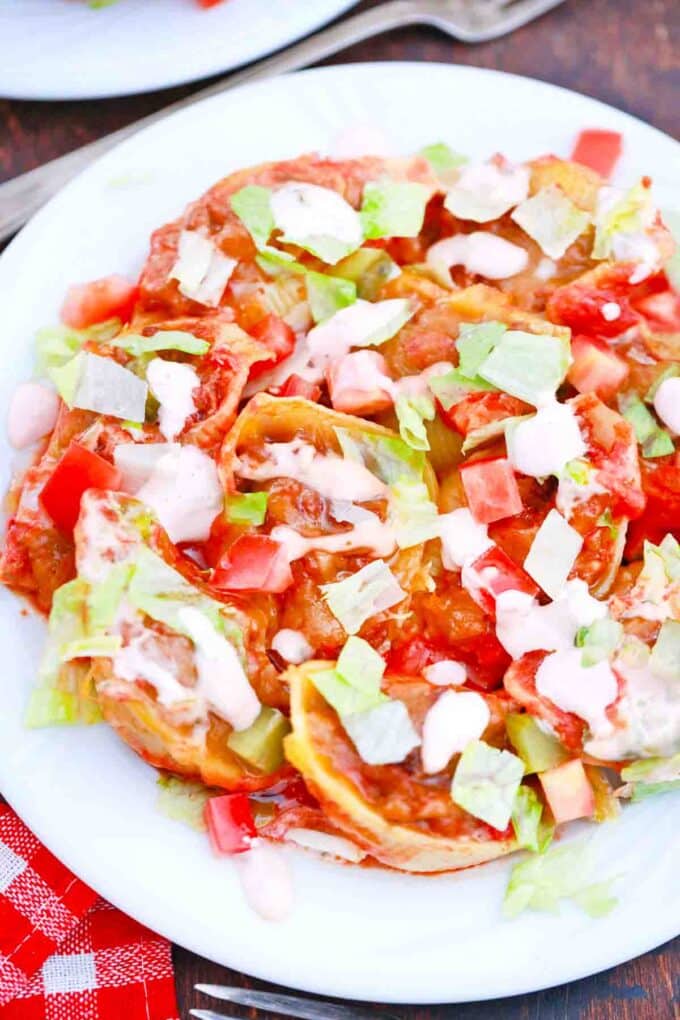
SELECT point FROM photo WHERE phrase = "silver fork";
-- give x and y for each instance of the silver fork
(284, 1005)
(468, 20)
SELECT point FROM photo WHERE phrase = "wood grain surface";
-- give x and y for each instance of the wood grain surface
(624, 52)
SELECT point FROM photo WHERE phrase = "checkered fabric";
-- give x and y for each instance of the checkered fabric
(64, 953)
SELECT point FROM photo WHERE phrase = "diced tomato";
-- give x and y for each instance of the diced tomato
(230, 822)
(661, 485)
(78, 470)
(112, 297)
(296, 386)
(600, 150)
(661, 310)
(580, 306)
(613, 450)
(358, 383)
(595, 367)
(479, 409)
(411, 658)
(208, 3)
(568, 792)
(492, 573)
(278, 337)
(491, 489)
(520, 683)
(254, 563)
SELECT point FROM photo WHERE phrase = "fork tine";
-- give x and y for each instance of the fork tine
(285, 1005)
(515, 13)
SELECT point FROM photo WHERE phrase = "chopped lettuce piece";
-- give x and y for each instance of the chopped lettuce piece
(252, 205)
(527, 365)
(360, 665)
(630, 214)
(551, 219)
(599, 640)
(318, 219)
(538, 749)
(328, 294)
(562, 873)
(102, 600)
(163, 340)
(55, 345)
(655, 441)
(451, 387)
(384, 734)
(342, 695)
(389, 458)
(531, 830)
(553, 553)
(665, 658)
(671, 218)
(261, 744)
(183, 800)
(494, 429)
(475, 342)
(100, 384)
(650, 776)
(357, 598)
(412, 513)
(441, 157)
(393, 208)
(412, 413)
(658, 445)
(246, 508)
(486, 781)
(104, 645)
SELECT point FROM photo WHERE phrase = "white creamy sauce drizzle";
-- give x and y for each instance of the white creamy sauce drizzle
(484, 191)
(331, 476)
(184, 491)
(463, 538)
(446, 673)
(172, 384)
(611, 311)
(222, 682)
(522, 625)
(136, 661)
(374, 536)
(667, 403)
(584, 690)
(32, 414)
(456, 718)
(572, 494)
(542, 444)
(136, 462)
(304, 211)
(358, 383)
(266, 880)
(201, 270)
(545, 269)
(326, 843)
(292, 646)
(480, 252)
(359, 325)
(647, 717)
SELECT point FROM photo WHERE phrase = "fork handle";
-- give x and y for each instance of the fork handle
(22, 196)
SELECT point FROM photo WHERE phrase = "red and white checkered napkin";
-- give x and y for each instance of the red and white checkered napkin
(64, 953)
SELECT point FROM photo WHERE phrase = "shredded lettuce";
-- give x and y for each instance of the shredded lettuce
(562, 873)
(354, 685)
(100, 384)
(55, 345)
(441, 157)
(357, 598)
(665, 658)
(384, 734)
(393, 209)
(104, 645)
(527, 365)
(318, 219)
(252, 205)
(102, 600)
(486, 781)
(655, 441)
(475, 342)
(553, 553)
(163, 340)
(412, 413)
(630, 214)
(328, 294)
(551, 219)
(183, 800)
(494, 429)
(451, 387)
(246, 508)
(599, 640)
(531, 830)
(412, 513)
(651, 776)
(389, 458)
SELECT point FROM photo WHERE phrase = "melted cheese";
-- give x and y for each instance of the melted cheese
(172, 384)
(331, 476)
(456, 718)
(32, 414)
(480, 253)
(184, 491)
(585, 691)
(543, 444)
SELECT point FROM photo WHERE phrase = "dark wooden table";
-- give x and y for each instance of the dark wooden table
(620, 51)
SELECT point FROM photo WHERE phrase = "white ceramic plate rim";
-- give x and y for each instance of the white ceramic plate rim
(249, 29)
(32, 759)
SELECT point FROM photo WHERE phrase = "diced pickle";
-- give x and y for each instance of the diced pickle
(261, 745)
(537, 749)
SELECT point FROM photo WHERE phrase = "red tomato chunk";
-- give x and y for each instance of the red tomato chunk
(600, 150)
(278, 337)
(230, 822)
(78, 470)
(491, 489)
(112, 297)
(254, 563)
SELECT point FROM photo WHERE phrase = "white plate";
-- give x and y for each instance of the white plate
(61, 49)
(364, 934)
